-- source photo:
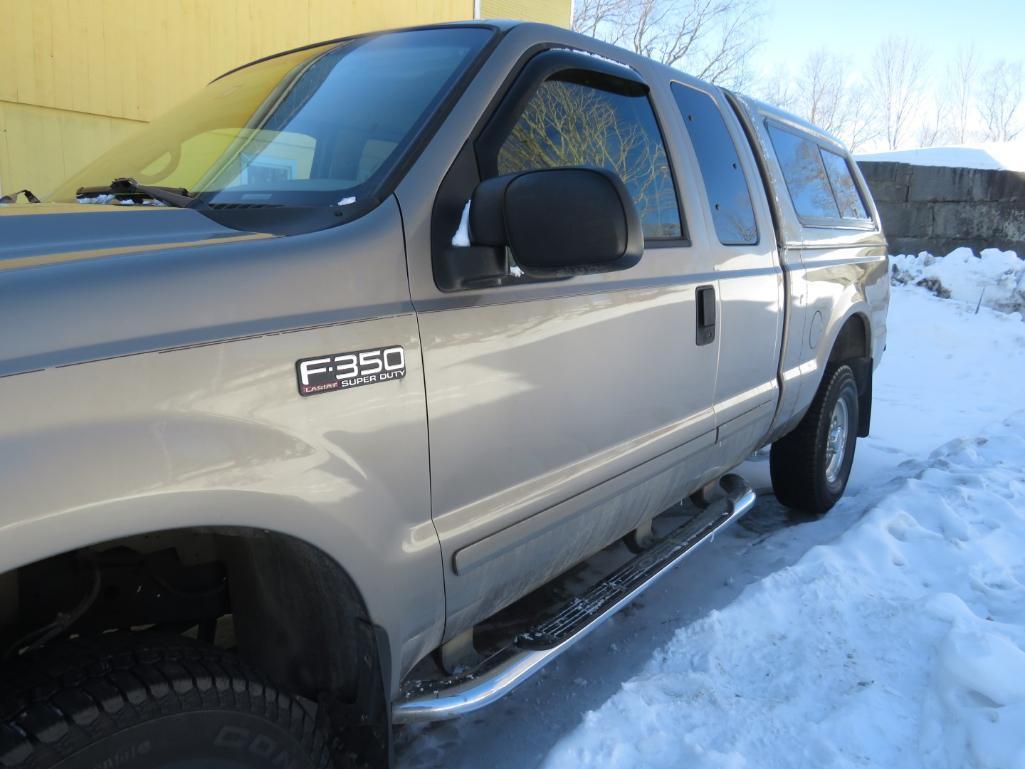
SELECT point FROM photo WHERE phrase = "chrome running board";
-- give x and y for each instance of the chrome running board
(503, 671)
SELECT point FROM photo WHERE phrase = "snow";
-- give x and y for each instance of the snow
(599, 57)
(107, 198)
(1008, 156)
(890, 633)
(898, 645)
(461, 239)
(462, 236)
(995, 277)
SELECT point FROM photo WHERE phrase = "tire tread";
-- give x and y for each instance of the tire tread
(797, 460)
(58, 701)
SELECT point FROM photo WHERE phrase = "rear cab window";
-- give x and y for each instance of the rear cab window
(819, 180)
(848, 199)
(727, 190)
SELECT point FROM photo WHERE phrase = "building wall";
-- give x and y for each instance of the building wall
(79, 76)
(936, 209)
(556, 12)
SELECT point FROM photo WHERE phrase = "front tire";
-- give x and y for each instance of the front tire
(811, 464)
(164, 704)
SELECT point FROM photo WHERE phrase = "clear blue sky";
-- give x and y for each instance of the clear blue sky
(852, 28)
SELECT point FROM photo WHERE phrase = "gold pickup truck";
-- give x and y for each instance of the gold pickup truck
(311, 387)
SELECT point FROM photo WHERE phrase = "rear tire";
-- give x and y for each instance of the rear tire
(153, 704)
(811, 464)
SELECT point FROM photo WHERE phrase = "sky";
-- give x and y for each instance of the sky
(793, 28)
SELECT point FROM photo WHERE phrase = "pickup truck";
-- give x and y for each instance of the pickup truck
(312, 389)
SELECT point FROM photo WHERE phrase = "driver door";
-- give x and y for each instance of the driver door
(562, 412)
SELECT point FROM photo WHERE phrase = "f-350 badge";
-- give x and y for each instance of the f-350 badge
(345, 370)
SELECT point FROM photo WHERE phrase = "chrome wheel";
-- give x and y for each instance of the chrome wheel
(836, 440)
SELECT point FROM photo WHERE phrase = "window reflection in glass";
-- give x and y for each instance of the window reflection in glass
(805, 175)
(304, 128)
(568, 124)
(846, 191)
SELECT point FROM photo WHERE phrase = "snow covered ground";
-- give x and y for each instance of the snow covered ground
(888, 634)
(1009, 156)
(900, 644)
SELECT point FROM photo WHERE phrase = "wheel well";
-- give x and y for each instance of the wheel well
(852, 347)
(280, 603)
(852, 341)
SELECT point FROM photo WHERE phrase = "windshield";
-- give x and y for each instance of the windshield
(318, 127)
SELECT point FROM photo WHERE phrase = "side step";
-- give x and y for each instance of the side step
(503, 671)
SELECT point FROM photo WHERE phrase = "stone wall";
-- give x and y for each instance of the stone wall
(936, 209)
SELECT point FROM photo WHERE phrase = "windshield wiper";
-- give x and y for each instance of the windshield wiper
(178, 197)
(13, 197)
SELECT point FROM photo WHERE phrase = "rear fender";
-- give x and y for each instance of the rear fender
(835, 287)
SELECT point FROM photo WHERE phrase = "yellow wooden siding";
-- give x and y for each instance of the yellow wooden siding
(78, 75)
(40, 146)
(131, 59)
(556, 12)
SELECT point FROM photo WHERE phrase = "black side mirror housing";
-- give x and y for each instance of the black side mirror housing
(556, 223)
(559, 222)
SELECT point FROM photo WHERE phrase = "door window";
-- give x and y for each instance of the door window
(725, 183)
(570, 124)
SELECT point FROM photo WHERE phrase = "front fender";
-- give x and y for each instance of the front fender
(216, 436)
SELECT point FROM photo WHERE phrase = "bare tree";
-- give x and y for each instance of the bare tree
(779, 89)
(936, 127)
(710, 39)
(860, 124)
(593, 16)
(1001, 99)
(898, 78)
(821, 85)
(961, 76)
(825, 94)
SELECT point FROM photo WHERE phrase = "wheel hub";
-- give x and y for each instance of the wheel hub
(836, 440)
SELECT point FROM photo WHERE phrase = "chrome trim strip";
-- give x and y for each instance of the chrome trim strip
(513, 666)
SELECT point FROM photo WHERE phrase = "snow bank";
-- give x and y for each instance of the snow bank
(898, 645)
(1008, 156)
(996, 277)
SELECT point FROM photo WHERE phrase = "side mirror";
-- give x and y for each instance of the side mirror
(559, 222)
(556, 223)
